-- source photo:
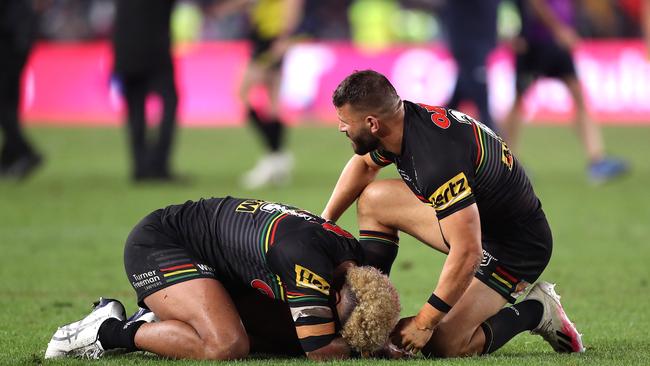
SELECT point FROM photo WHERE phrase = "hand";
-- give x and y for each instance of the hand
(409, 336)
(391, 352)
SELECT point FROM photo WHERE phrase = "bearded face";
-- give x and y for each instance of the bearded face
(363, 141)
(357, 130)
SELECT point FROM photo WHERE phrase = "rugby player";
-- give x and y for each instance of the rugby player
(188, 264)
(544, 48)
(480, 210)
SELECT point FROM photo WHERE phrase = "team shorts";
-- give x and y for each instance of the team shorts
(515, 255)
(542, 59)
(261, 48)
(155, 259)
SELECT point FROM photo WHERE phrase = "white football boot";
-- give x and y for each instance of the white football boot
(274, 169)
(80, 339)
(143, 314)
(555, 326)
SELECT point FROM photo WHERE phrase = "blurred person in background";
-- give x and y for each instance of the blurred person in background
(374, 23)
(143, 64)
(544, 49)
(472, 35)
(273, 29)
(638, 11)
(18, 27)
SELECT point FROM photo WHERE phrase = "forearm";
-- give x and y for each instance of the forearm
(456, 275)
(463, 230)
(356, 175)
(337, 349)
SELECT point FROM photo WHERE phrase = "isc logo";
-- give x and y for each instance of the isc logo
(308, 279)
(451, 192)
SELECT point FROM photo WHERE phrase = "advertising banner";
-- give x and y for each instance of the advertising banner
(72, 83)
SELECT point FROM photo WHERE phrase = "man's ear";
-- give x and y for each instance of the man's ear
(373, 124)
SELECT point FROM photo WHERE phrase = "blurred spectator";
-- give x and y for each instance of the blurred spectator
(472, 33)
(374, 23)
(638, 12)
(18, 25)
(273, 27)
(143, 64)
(544, 49)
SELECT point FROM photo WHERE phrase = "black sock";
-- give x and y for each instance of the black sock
(380, 249)
(115, 333)
(276, 134)
(272, 131)
(509, 322)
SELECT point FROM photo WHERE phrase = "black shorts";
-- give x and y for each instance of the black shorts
(155, 259)
(515, 255)
(261, 48)
(543, 59)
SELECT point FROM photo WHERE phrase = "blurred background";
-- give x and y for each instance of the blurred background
(407, 40)
(76, 187)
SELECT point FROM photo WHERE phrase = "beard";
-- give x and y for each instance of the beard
(364, 143)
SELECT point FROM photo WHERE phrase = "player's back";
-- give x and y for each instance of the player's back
(235, 234)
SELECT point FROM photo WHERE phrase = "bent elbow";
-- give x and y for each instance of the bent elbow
(473, 258)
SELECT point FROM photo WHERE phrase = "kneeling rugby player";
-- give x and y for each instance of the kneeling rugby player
(190, 263)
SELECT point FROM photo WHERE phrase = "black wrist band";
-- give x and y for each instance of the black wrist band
(437, 303)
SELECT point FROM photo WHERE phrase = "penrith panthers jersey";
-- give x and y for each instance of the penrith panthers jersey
(450, 161)
(284, 252)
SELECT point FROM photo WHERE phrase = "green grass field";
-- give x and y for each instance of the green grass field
(62, 232)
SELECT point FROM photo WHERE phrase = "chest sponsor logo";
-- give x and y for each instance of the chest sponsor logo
(307, 279)
(249, 206)
(451, 192)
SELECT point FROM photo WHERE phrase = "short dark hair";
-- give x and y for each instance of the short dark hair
(366, 90)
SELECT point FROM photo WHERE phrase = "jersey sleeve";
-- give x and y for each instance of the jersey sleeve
(448, 182)
(306, 275)
(381, 157)
(450, 194)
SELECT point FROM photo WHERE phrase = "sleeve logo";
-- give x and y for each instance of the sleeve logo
(249, 206)
(451, 192)
(308, 279)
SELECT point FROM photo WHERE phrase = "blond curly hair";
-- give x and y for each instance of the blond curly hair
(376, 312)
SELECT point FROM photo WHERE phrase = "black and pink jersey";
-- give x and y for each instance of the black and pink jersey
(287, 253)
(450, 160)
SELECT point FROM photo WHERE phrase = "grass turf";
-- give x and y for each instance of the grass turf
(62, 232)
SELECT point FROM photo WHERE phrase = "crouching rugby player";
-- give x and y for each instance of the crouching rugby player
(481, 211)
(189, 263)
